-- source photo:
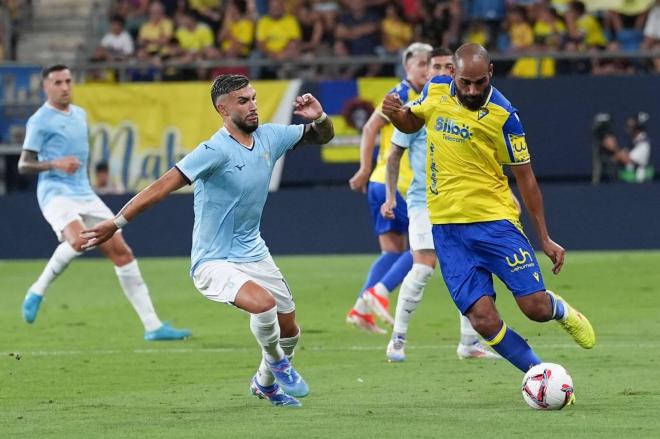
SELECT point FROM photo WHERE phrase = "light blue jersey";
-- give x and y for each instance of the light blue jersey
(231, 186)
(416, 145)
(54, 134)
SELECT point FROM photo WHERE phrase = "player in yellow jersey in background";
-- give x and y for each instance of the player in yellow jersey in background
(472, 131)
(394, 262)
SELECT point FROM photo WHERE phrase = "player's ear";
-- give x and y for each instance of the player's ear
(490, 71)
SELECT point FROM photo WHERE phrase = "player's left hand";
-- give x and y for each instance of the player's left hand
(98, 234)
(556, 253)
(308, 107)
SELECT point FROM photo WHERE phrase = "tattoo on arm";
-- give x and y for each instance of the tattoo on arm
(318, 134)
(29, 163)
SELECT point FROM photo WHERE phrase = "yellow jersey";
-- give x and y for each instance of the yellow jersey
(465, 182)
(406, 93)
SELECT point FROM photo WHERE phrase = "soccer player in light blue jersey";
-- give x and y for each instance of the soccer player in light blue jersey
(56, 147)
(230, 261)
(419, 230)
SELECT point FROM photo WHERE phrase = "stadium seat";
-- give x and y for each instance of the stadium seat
(629, 39)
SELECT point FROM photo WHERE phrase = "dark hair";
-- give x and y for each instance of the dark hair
(440, 51)
(116, 18)
(224, 84)
(578, 7)
(101, 167)
(54, 68)
(241, 6)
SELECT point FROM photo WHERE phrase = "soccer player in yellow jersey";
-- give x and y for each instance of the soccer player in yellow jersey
(395, 261)
(472, 131)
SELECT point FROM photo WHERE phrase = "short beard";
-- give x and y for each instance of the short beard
(475, 102)
(243, 126)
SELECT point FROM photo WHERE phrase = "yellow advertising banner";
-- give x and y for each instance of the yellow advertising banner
(142, 129)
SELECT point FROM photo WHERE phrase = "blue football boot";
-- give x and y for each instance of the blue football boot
(31, 306)
(290, 380)
(274, 394)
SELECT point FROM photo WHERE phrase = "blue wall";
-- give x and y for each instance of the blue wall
(557, 115)
(334, 220)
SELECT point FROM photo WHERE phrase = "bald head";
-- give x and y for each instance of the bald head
(472, 73)
(471, 56)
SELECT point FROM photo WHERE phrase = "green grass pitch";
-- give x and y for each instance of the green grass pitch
(83, 370)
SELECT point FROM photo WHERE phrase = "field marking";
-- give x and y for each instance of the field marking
(43, 353)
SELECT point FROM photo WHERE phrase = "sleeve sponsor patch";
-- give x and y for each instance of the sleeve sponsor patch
(519, 148)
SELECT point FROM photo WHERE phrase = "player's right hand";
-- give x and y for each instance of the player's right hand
(359, 181)
(387, 209)
(556, 253)
(98, 234)
(69, 164)
(391, 104)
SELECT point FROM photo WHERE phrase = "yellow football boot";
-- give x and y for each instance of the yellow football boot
(576, 324)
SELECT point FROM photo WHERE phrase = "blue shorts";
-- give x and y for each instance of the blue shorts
(376, 197)
(470, 254)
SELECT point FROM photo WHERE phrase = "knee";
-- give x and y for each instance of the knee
(122, 256)
(77, 244)
(537, 307)
(265, 303)
(486, 323)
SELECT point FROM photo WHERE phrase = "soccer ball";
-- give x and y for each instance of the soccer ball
(547, 386)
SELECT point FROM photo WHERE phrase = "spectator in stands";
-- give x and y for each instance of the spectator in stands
(156, 32)
(278, 35)
(521, 35)
(195, 38)
(584, 30)
(236, 35)
(492, 13)
(134, 13)
(652, 33)
(549, 28)
(117, 44)
(440, 22)
(627, 21)
(311, 28)
(477, 33)
(396, 34)
(103, 184)
(358, 34)
(207, 11)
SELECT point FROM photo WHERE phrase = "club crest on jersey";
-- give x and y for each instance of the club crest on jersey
(483, 112)
(453, 131)
(266, 156)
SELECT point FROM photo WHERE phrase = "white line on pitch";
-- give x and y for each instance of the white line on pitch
(305, 348)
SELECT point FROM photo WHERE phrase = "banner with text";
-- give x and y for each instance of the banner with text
(142, 130)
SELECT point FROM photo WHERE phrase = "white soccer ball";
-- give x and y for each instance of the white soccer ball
(547, 386)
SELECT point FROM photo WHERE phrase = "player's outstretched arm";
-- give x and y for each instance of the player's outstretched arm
(531, 195)
(321, 130)
(152, 194)
(29, 164)
(391, 178)
(400, 115)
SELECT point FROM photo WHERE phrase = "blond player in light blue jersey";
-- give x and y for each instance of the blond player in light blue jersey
(230, 261)
(57, 148)
(419, 231)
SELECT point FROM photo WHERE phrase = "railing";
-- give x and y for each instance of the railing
(123, 69)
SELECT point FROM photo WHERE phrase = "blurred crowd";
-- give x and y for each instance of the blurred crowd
(190, 30)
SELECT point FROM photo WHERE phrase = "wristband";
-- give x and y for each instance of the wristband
(321, 119)
(120, 221)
